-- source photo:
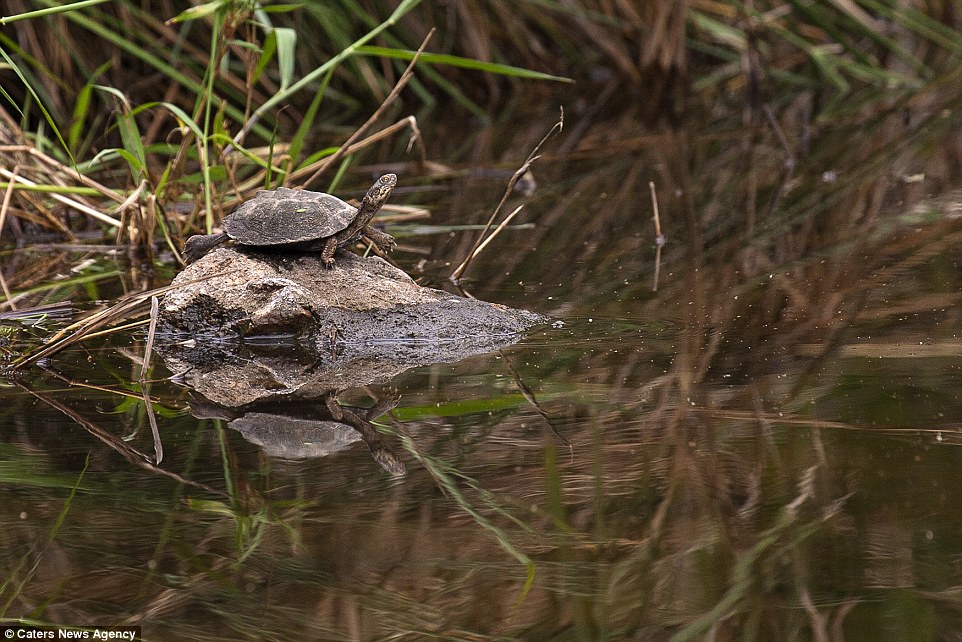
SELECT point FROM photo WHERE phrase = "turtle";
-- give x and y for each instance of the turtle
(286, 218)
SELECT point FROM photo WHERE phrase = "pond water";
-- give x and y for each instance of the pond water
(765, 446)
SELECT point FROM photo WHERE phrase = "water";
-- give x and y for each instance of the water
(765, 447)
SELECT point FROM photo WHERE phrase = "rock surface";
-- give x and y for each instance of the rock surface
(244, 293)
(244, 324)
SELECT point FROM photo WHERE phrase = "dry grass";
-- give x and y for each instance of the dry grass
(152, 128)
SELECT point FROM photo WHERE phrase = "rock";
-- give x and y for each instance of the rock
(245, 324)
(234, 292)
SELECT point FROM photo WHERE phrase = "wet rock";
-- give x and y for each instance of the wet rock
(244, 325)
(234, 292)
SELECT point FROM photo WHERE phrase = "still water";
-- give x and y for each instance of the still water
(766, 446)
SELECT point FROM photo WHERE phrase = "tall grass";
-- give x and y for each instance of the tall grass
(152, 121)
(192, 111)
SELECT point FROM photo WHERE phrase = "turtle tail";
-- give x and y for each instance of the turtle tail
(200, 244)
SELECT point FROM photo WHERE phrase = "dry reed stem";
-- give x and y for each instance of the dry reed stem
(90, 386)
(7, 196)
(90, 326)
(659, 237)
(129, 453)
(6, 293)
(151, 330)
(497, 230)
(528, 395)
(320, 166)
(77, 205)
(387, 102)
(521, 171)
(60, 168)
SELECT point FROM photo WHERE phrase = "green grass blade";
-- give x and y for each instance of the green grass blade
(286, 42)
(174, 75)
(445, 474)
(463, 63)
(27, 15)
(81, 109)
(306, 124)
(404, 7)
(43, 109)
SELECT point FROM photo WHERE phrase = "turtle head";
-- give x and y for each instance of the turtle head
(381, 189)
(376, 197)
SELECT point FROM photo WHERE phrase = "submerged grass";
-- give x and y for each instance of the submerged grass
(20, 575)
(180, 159)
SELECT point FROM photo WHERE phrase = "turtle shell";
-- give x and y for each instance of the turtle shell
(282, 216)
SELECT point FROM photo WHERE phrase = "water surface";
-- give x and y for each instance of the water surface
(765, 447)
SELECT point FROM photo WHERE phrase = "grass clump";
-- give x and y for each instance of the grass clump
(148, 122)
(163, 124)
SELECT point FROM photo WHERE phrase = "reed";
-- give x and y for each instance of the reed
(156, 123)
(194, 112)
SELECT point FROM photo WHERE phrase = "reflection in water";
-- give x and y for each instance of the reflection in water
(763, 449)
(305, 428)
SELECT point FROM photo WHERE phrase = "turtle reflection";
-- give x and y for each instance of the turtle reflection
(288, 428)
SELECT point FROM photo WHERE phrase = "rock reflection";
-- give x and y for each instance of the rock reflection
(282, 395)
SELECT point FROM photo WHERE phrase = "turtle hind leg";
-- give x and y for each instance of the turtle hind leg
(200, 244)
(384, 241)
(327, 252)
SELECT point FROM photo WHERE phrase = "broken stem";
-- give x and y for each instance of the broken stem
(659, 237)
(532, 157)
(401, 83)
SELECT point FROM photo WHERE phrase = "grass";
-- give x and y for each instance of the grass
(233, 115)
(158, 122)
(165, 143)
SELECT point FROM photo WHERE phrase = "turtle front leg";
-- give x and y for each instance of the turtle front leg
(384, 241)
(327, 254)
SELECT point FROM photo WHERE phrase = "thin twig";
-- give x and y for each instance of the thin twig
(528, 395)
(148, 350)
(90, 386)
(320, 166)
(129, 453)
(391, 97)
(497, 230)
(7, 197)
(6, 292)
(65, 170)
(145, 385)
(155, 431)
(90, 325)
(659, 237)
(532, 157)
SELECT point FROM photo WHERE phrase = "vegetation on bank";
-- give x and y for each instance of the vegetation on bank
(146, 125)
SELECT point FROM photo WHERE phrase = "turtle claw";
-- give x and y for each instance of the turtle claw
(384, 241)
